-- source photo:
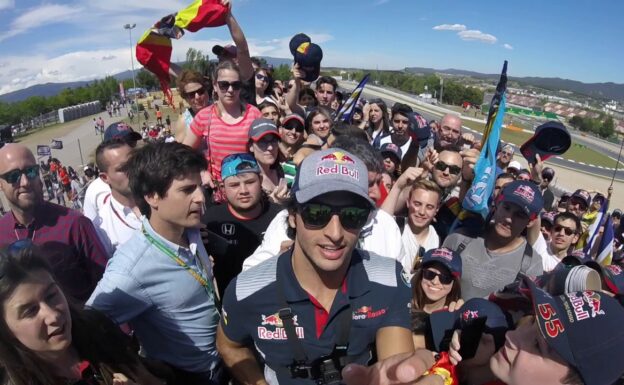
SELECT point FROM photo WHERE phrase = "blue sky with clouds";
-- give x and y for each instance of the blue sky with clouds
(67, 40)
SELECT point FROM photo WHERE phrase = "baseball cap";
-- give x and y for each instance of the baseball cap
(295, 119)
(262, 127)
(550, 138)
(548, 173)
(584, 328)
(617, 213)
(613, 276)
(236, 164)
(120, 130)
(524, 194)
(307, 54)
(328, 171)
(447, 257)
(599, 196)
(577, 258)
(582, 195)
(548, 216)
(515, 165)
(392, 149)
(229, 51)
(570, 279)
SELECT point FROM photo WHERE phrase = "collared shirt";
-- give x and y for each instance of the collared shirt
(68, 240)
(115, 223)
(374, 292)
(173, 315)
(380, 236)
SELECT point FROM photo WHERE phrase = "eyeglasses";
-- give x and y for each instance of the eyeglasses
(14, 176)
(224, 85)
(296, 127)
(199, 91)
(453, 169)
(262, 77)
(568, 231)
(318, 215)
(430, 275)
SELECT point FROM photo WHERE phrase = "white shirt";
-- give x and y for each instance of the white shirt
(549, 260)
(94, 198)
(404, 148)
(411, 246)
(115, 223)
(380, 236)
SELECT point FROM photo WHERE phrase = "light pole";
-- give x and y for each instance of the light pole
(130, 27)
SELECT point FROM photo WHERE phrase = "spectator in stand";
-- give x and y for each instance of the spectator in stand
(292, 135)
(65, 180)
(616, 217)
(264, 84)
(264, 145)
(402, 120)
(547, 221)
(578, 204)
(325, 92)
(270, 111)
(224, 126)
(375, 121)
(307, 99)
(236, 228)
(524, 174)
(504, 156)
(318, 125)
(158, 115)
(449, 133)
(391, 154)
(502, 180)
(67, 239)
(195, 90)
(548, 174)
(563, 237)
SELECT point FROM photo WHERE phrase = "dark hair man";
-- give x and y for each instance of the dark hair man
(160, 280)
(235, 229)
(495, 258)
(564, 234)
(325, 90)
(402, 120)
(67, 238)
(300, 309)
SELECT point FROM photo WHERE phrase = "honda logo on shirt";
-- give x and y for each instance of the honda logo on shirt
(228, 229)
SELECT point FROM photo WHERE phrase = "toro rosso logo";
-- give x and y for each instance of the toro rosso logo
(443, 253)
(525, 192)
(469, 314)
(367, 312)
(276, 330)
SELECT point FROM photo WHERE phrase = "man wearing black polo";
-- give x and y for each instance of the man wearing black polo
(322, 304)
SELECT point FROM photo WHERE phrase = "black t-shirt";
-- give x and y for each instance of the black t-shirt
(248, 93)
(232, 240)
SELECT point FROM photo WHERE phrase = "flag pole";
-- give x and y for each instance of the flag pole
(617, 163)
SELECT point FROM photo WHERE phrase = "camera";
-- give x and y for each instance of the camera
(324, 370)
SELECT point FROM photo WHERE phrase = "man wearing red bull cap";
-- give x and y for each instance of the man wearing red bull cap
(323, 303)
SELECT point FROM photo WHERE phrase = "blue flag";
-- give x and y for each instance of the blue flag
(345, 112)
(476, 199)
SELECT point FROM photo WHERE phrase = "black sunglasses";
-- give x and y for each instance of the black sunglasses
(441, 166)
(296, 127)
(199, 91)
(568, 231)
(430, 275)
(317, 215)
(262, 77)
(224, 85)
(14, 176)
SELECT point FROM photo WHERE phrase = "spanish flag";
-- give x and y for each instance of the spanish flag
(154, 48)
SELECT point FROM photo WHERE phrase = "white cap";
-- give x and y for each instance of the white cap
(515, 164)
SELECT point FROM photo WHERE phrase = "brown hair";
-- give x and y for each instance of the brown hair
(190, 76)
(419, 299)
(96, 338)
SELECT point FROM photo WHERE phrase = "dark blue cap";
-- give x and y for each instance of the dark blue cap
(525, 194)
(550, 138)
(613, 276)
(393, 149)
(307, 54)
(121, 130)
(447, 257)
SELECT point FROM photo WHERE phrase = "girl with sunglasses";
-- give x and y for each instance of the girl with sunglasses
(435, 286)
(223, 126)
(45, 340)
(292, 132)
(264, 84)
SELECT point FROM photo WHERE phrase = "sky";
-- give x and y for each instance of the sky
(69, 40)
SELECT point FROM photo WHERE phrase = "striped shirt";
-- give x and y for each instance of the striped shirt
(222, 138)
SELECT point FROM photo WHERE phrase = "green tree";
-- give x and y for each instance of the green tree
(607, 128)
(197, 61)
(147, 80)
(282, 72)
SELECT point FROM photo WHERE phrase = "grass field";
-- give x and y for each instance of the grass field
(576, 152)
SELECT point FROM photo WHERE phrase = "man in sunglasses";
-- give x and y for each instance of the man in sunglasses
(321, 304)
(66, 237)
(494, 259)
(563, 236)
(504, 156)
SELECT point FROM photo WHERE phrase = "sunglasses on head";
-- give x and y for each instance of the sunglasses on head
(444, 279)
(317, 215)
(200, 91)
(441, 166)
(568, 231)
(262, 77)
(225, 85)
(14, 176)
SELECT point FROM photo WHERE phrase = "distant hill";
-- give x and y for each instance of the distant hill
(596, 90)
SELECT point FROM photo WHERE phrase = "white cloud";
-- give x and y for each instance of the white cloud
(6, 4)
(476, 35)
(450, 27)
(507, 46)
(40, 16)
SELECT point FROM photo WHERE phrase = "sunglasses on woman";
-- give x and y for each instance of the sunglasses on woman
(200, 91)
(225, 85)
(262, 77)
(453, 170)
(14, 176)
(430, 275)
(318, 215)
(296, 127)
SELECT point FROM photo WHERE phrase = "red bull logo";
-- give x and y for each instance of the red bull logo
(277, 332)
(443, 253)
(594, 302)
(338, 157)
(367, 312)
(614, 269)
(303, 48)
(525, 192)
(275, 320)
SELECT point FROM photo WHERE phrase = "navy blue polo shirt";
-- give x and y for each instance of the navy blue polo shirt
(374, 288)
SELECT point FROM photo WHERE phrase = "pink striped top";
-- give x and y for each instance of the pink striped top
(223, 139)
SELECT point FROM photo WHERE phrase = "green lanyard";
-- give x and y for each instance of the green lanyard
(169, 253)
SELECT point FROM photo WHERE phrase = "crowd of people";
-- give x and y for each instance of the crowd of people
(263, 241)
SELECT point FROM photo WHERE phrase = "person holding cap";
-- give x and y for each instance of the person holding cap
(235, 229)
(264, 141)
(495, 258)
(321, 304)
